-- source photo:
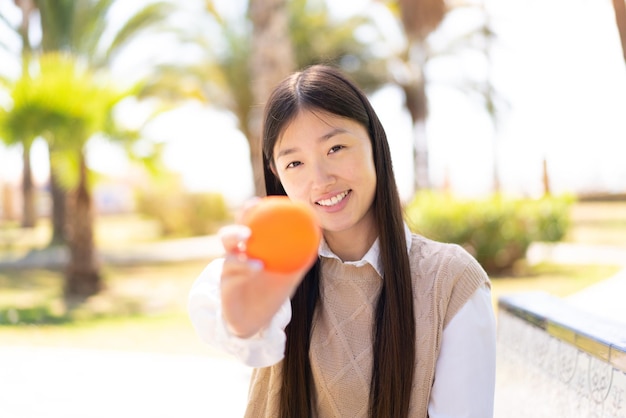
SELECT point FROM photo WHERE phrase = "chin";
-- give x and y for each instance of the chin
(336, 227)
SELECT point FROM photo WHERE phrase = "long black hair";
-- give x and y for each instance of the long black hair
(323, 88)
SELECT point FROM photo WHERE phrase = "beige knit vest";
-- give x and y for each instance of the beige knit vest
(444, 278)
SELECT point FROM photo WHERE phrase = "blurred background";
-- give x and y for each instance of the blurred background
(129, 135)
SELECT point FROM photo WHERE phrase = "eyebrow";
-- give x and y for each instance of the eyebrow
(325, 137)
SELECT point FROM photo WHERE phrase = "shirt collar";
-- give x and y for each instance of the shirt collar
(372, 256)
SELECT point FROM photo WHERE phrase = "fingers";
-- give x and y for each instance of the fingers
(239, 264)
(234, 237)
(247, 205)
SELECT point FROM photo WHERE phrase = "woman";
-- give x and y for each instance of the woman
(383, 323)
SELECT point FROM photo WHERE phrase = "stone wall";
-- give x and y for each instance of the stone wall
(555, 360)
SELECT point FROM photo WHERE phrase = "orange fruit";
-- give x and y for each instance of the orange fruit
(284, 234)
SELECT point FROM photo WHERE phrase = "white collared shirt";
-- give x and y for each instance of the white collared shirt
(465, 371)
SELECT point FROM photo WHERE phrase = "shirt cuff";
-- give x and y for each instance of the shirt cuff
(205, 312)
(263, 349)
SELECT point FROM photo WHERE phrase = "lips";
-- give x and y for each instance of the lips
(332, 201)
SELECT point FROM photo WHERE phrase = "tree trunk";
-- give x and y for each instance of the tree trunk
(416, 104)
(271, 61)
(419, 18)
(29, 210)
(83, 272)
(497, 184)
(619, 6)
(58, 211)
(29, 216)
(256, 153)
(8, 205)
(547, 191)
(421, 177)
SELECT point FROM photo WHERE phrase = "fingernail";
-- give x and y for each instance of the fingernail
(241, 232)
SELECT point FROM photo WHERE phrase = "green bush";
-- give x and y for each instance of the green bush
(32, 315)
(497, 231)
(185, 214)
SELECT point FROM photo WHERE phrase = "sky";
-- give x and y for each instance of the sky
(558, 63)
(565, 75)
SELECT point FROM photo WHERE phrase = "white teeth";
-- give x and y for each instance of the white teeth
(333, 200)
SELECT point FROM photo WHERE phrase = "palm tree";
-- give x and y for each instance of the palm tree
(79, 26)
(81, 30)
(318, 38)
(419, 19)
(29, 215)
(230, 75)
(272, 59)
(66, 104)
(5, 84)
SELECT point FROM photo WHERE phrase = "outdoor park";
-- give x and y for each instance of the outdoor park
(120, 161)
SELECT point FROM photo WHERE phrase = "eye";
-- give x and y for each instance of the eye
(335, 149)
(293, 164)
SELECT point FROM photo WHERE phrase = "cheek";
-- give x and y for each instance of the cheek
(292, 186)
(367, 177)
(364, 170)
(371, 179)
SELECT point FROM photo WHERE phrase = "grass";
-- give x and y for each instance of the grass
(558, 280)
(149, 290)
(142, 309)
(110, 231)
(600, 223)
(594, 223)
(143, 306)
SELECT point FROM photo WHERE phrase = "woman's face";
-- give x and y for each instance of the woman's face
(326, 161)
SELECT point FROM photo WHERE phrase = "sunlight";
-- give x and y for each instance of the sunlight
(566, 99)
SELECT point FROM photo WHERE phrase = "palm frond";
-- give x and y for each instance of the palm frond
(209, 6)
(90, 25)
(57, 24)
(151, 17)
(11, 30)
(336, 43)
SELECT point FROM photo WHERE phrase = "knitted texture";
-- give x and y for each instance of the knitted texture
(341, 344)
(444, 277)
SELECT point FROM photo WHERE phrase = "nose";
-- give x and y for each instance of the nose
(322, 175)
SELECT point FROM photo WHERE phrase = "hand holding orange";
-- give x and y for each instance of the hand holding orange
(284, 234)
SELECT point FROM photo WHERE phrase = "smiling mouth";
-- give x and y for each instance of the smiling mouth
(333, 200)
